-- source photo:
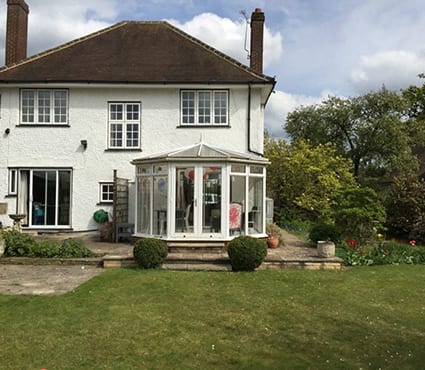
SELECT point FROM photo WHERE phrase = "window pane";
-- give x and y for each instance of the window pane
(211, 187)
(185, 191)
(116, 112)
(255, 203)
(60, 105)
(116, 135)
(132, 135)
(107, 192)
(144, 205)
(28, 101)
(160, 191)
(238, 168)
(236, 206)
(256, 169)
(64, 198)
(43, 106)
(132, 112)
(188, 107)
(220, 107)
(204, 107)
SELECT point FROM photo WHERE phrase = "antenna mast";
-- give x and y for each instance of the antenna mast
(243, 12)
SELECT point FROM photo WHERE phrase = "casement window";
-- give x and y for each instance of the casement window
(44, 106)
(106, 192)
(124, 125)
(204, 107)
(13, 182)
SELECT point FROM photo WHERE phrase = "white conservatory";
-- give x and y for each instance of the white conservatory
(200, 192)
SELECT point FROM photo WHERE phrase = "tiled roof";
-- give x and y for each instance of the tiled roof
(133, 52)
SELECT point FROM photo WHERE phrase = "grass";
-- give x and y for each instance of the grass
(367, 317)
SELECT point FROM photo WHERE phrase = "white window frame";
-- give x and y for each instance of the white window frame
(56, 111)
(126, 120)
(13, 181)
(199, 117)
(106, 190)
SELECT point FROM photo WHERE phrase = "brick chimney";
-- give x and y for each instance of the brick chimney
(257, 30)
(16, 31)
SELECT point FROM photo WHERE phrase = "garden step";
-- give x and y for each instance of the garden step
(195, 247)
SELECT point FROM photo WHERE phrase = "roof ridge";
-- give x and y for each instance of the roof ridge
(64, 46)
(216, 52)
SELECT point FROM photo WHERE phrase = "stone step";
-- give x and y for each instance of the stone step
(196, 247)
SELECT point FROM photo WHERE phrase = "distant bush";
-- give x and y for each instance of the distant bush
(72, 248)
(324, 232)
(18, 244)
(246, 253)
(150, 253)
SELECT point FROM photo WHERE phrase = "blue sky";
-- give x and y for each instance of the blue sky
(314, 48)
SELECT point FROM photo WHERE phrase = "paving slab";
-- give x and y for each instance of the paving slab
(43, 280)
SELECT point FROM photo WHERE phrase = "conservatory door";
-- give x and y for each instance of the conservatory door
(198, 201)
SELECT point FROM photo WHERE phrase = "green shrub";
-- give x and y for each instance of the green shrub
(150, 252)
(324, 232)
(72, 248)
(246, 253)
(45, 249)
(18, 244)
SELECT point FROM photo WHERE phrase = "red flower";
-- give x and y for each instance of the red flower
(386, 252)
(412, 242)
(352, 243)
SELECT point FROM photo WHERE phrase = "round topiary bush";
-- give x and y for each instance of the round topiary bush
(246, 253)
(324, 232)
(150, 253)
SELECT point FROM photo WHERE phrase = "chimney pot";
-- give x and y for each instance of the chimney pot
(16, 31)
(257, 32)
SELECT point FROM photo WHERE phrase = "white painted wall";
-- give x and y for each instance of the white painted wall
(59, 147)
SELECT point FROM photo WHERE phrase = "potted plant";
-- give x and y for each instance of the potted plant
(274, 233)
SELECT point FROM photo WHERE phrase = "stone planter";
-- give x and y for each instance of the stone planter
(2, 246)
(325, 249)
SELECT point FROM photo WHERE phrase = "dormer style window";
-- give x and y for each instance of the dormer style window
(124, 125)
(204, 108)
(44, 107)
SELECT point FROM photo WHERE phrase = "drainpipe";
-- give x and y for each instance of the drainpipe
(249, 124)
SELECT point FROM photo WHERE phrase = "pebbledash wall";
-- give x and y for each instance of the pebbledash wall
(60, 147)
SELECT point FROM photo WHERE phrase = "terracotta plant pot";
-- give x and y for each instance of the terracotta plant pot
(273, 242)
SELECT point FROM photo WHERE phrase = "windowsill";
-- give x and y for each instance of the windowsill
(43, 125)
(104, 204)
(11, 196)
(123, 150)
(203, 126)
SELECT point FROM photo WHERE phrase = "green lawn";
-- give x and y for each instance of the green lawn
(366, 317)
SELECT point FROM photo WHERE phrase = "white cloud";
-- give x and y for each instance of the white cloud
(282, 103)
(395, 69)
(228, 36)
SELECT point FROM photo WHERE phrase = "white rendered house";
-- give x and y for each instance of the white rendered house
(178, 118)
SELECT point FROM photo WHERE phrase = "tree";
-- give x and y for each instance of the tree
(371, 130)
(406, 205)
(303, 179)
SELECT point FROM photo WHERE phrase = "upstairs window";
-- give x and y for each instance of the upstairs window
(106, 192)
(124, 125)
(204, 107)
(44, 106)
